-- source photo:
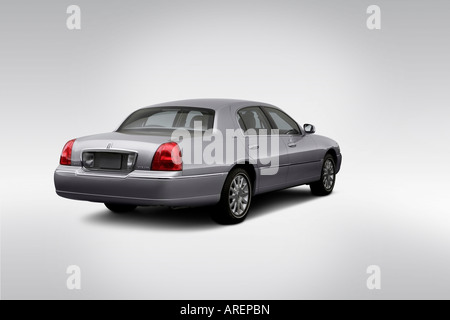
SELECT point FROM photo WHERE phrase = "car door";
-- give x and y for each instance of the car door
(304, 161)
(271, 155)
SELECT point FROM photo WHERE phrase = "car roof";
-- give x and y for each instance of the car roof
(214, 104)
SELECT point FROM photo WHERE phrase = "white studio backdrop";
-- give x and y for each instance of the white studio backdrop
(382, 94)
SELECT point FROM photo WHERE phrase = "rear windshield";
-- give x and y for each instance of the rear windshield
(168, 118)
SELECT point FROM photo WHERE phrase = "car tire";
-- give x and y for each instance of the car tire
(325, 185)
(120, 208)
(236, 198)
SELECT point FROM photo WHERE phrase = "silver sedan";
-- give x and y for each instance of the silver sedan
(218, 152)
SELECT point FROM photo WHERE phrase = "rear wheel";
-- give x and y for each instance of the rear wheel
(325, 185)
(235, 199)
(120, 208)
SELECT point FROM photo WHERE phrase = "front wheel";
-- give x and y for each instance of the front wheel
(120, 208)
(235, 199)
(325, 185)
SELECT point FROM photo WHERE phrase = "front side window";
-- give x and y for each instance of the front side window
(253, 120)
(284, 123)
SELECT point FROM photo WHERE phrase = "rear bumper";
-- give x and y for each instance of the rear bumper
(138, 187)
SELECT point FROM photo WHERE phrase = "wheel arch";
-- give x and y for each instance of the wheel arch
(332, 153)
(250, 169)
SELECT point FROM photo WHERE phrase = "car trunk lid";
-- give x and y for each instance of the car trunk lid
(117, 151)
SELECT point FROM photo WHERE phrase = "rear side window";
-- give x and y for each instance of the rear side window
(168, 118)
(253, 119)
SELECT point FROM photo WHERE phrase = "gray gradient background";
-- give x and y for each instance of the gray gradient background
(384, 95)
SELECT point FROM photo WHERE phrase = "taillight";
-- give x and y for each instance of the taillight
(66, 154)
(168, 158)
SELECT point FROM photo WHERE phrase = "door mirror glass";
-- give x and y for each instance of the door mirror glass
(309, 128)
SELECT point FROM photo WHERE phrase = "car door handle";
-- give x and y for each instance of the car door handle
(292, 145)
(255, 147)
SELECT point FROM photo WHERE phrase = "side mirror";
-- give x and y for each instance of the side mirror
(309, 128)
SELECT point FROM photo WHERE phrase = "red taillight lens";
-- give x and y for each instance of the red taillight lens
(168, 158)
(66, 154)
